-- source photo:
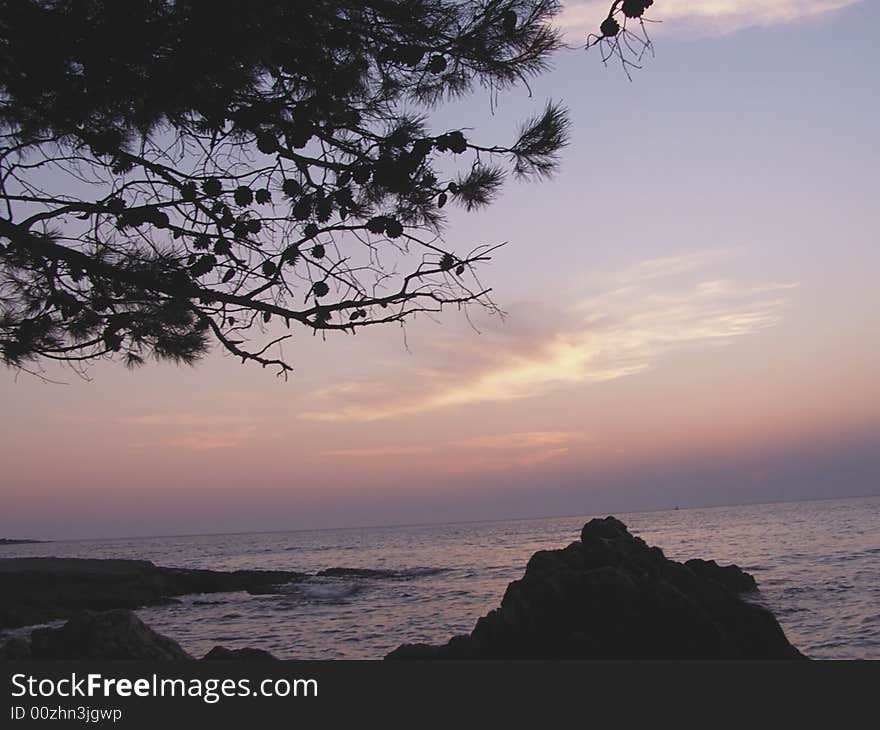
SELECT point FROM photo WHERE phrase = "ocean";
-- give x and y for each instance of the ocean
(817, 565)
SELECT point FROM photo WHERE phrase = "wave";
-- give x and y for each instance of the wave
(338, 584)
(328, 591)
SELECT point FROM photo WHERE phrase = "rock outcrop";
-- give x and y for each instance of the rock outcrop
(221, 653)
(15, 648)
(355, 573)
(114, 634)
(611, 596)
(38, 590)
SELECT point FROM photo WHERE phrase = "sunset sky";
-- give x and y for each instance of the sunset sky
(692, 307)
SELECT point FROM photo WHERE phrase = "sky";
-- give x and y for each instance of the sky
(691, 319)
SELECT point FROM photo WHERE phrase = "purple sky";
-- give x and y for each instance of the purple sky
(692, 319)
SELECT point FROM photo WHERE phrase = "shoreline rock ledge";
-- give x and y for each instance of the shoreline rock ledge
(38, 590)
(611, 596)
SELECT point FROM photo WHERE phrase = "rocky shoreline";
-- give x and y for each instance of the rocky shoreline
(607, 596)
(37, 590)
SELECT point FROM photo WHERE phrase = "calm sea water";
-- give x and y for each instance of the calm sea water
(817, 565)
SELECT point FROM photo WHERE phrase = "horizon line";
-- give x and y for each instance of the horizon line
(447, 522)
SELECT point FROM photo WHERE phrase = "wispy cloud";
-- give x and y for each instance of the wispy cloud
(525, 448)
(528, 448)
(208, 440)
(539, 349)
(667, 266)
(179, 419)
(378, 451)
(190, 431)
(581, 17)
(524, 440)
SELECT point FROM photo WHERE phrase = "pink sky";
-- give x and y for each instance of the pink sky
(692, 319)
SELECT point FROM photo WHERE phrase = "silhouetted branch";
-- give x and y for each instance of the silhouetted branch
(616, 38)
(173, 176)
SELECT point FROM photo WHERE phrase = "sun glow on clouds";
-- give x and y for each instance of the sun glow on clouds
(524, 449)
(539, 349)
(581, 17)
(190, 431)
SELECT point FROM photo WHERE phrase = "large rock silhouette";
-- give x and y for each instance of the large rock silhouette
(611, 596)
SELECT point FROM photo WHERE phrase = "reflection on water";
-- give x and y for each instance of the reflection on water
(816, 564)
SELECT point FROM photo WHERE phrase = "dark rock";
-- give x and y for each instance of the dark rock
(459, 647)
(37, 590)
(221, 653)
(267, 590)
(180, 581)
(355, 573)
(401, 574)
(609, 528)
(417, 651)
(15, 649)
(114, 634)
(611, 596)
(731, 576)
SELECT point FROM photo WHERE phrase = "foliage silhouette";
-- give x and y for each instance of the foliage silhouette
(616, 37)
(173, 174)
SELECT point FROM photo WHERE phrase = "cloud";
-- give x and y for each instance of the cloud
(191, 431)
(212, 439)
(523, 449)
(179, 419)
(378, 451)
(705, 17)
(666, 266)
(539, 349)
(523, 440)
